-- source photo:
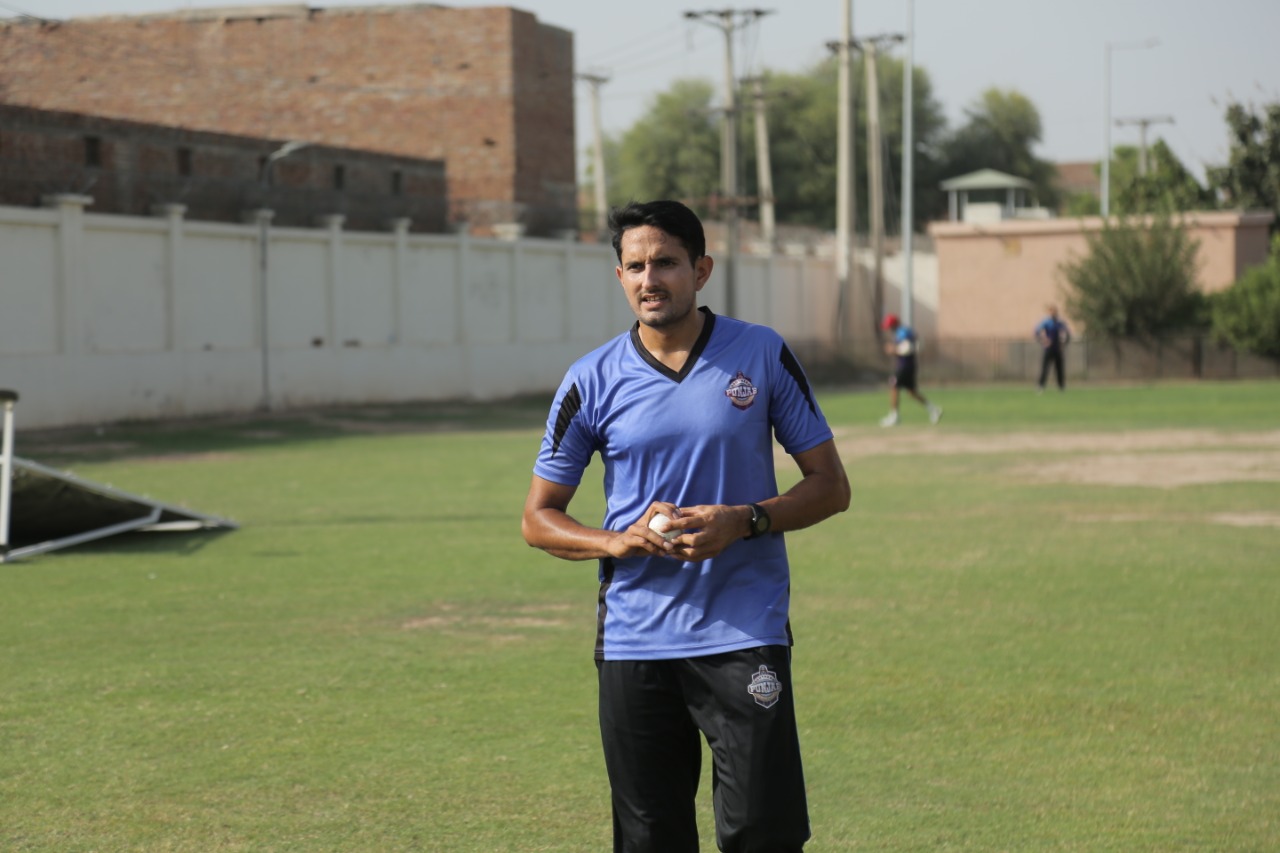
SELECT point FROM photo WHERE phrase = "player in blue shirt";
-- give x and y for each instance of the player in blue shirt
(693, 634)
(1053, 335)
(902, 346)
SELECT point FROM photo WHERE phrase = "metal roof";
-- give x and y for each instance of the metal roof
(986, 179)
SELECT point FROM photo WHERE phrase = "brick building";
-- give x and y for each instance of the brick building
(487, 90)
(130, 167)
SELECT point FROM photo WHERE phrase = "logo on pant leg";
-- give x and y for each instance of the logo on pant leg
(765, 687)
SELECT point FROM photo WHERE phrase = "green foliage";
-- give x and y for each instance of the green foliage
(802, 120)
(1002, 128)
(673, 151)
(1137, 282)
(1251, 178)
(1247, 314)
(1166, 187)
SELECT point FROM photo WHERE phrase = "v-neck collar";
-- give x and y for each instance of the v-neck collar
(709, 321)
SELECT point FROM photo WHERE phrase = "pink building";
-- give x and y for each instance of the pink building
(995, 278)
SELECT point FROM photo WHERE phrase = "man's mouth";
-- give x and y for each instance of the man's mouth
(653, 299)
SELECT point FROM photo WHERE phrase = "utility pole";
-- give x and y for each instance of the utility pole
(1143, 123)
(727, 20)
(597, 151)
(846, 191)
(875, 168)
(1106, 113)
(908, 173)
(764, 166)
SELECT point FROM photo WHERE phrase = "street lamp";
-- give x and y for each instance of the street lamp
(1106, 112)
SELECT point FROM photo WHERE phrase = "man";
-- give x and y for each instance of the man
(902, 346)
(692, 632)
(1053, 335)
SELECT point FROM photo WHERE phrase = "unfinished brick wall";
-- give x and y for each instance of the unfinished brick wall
(487, 90)
(130, 167)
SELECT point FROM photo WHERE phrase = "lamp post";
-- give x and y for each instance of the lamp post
(1106, 112)
(264, 235)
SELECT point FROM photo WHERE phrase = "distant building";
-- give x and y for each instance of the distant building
(130, 168)
(1078, 178)
(489, 91)
(988, 195)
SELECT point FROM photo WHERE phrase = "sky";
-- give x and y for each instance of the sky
(1209, 53)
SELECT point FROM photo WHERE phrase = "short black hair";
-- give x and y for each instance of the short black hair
(672, 217)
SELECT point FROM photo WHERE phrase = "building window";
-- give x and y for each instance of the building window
(184, 162)
(92, 151)
(339, 177)
(397, 183)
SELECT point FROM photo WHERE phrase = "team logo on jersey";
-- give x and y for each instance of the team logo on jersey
(765, 687)
(741, 392)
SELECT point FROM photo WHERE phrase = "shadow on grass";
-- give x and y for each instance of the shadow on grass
(172, 543)
(230, 433)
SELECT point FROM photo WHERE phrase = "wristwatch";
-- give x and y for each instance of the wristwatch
(760, 521)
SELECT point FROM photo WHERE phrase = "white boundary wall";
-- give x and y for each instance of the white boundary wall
(106, 318)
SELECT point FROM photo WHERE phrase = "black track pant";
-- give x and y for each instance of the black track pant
(651, 713)
(1052, 355)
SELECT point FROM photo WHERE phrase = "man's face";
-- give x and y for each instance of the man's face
(660, 280)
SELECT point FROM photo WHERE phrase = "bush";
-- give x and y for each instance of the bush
(1137, 283)
(1247, 314)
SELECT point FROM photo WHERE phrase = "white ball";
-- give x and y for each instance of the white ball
(905, 347)
(659, 524)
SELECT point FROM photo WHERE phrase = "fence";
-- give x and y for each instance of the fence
(1001, 360)
(106, 318)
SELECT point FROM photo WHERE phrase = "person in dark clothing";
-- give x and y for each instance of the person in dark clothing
(1053, 335)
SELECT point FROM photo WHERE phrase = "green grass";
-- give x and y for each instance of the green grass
(375, 661)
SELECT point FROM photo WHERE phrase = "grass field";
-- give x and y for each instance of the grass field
(1050, 623)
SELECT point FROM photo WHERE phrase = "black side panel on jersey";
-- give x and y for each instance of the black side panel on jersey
(792, 366)
(569, 407)
(602, 609)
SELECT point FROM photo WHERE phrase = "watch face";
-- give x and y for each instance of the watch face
(759, 521)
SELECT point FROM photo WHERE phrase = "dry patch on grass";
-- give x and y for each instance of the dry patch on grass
(1160, 470)
(855, 443)
(509, 624)
(1229, 519)
(1163, 459)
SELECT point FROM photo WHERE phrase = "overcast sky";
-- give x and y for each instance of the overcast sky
(1209, 53)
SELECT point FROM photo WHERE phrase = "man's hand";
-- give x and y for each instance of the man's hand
(640, 539)
(707, 530)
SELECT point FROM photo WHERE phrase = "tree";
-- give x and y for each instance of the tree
(673, 151)
(1002, 128)
(1167, 186)
(1251, 178)
(1247, 314)
(802, 134)
(1137, 282)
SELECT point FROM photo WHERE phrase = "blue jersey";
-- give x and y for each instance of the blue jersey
(701, 436)
(904, 344)
(1053, 331)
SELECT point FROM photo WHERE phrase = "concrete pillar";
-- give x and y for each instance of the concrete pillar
(332, 222)
(262, 219)
(72, 293)
(173, 215)
(400, 250)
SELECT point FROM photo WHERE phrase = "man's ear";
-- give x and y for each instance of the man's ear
(702, 271)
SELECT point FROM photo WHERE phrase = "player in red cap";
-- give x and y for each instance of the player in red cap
(903, 348)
